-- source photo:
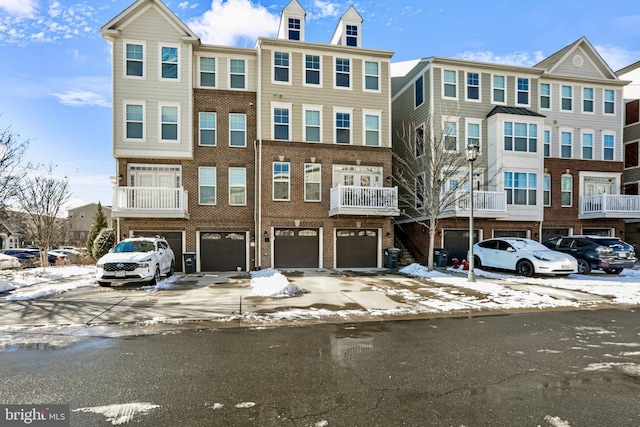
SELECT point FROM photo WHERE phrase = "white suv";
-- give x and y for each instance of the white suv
(138, 259)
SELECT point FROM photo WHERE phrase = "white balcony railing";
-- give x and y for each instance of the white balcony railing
(355, 200)
(489, 204)
(610, 206)
(150, 202)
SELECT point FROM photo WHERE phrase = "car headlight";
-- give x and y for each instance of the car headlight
(100, 265)
(541, 257)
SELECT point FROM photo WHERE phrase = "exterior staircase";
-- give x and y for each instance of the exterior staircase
(405, 257)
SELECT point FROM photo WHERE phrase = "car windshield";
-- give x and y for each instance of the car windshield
(527, 245)
(610, 242)
(137, 246)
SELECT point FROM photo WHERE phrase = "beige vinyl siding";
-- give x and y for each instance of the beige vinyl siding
(222, 56)
(151, 27)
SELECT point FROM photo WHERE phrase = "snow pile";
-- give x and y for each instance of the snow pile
(40, 282)
(271, 283)
(419, 270)
(167, 283)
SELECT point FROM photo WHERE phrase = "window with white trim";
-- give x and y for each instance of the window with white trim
(450, 135)
(207, 124)
(207, 72)
(342, 127)
(312, 70)
(237, 186)
(547, 143)
(521, 137)
(134, 59)
(566, 98)
(587, 145)
(237, 130)
(418, 91)
(608, 144)
(566, 138)
(566, 188)
(237, 74)
(521, 188)
(371, 76)
(281, 67)
(609, 99)
(134, 121)
(420, 189)
(312, 123)
(343, 72)
(352, 35)
(419, 142)
(450, 84)
(546, 190)
(474, 133)
(281, 181)
(294, 28)
(207, 185)
(372, 129)
(169, 123)
(545, 96)
(522, 93)
(499, 88)
(312, 182)
(281, 120)
(473, 86)
(169, 62)
(587, 100)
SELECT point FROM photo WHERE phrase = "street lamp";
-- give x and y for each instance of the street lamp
(472, 155)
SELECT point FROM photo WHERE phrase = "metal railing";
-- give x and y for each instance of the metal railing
(152, 199)
(610, 203)
(364, 198)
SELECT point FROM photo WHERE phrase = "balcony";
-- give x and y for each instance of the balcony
(486, 204)
(610, 206)
(150, 202)
(355, 200)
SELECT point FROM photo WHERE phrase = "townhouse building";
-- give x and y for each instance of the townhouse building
(79, 222)
(272, 156)
(551, 149)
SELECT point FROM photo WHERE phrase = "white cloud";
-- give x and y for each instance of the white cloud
(187, 5)
(19, 7)
(617, 57)
(526, 59)
(82, 98)
(323, 9)
(234, 22)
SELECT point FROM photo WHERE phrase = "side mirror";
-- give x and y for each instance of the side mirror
(510, 249)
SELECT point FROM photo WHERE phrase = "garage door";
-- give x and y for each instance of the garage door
(356, 248)
(174, 238)
(296, 248)
(223, 251)
(457, 243)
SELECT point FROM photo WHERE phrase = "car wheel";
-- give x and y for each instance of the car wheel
(476, 262)
(156, 277)
(104, 284)
(525, 268)
(584, 267)
(172, 269)
(613, 270)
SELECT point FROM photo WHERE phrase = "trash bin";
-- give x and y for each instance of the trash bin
(440, 257)
(189, 262)
(391, 257)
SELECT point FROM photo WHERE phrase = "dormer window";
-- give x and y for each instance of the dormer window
(294, 29)
(352, 35)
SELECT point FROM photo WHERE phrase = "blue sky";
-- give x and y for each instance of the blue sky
(55, 80)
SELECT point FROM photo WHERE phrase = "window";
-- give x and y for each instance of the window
(522, 96)
(587, 146)
(418, 87)
(631, 155)
(587, 100)
(420, 190)
(546, 190)
(520, 137)
(371, 76)
(352, 35)
(473, 86)
(343, 73)
(281, 181)
(372, 130)
(567, 190)
(312, 182)
(565, 144)
(207, 128)
(134, 60)
(169, 123)
(237, 73)
(207, 72)
(608, 143)
(566, 100)
(343, 128)
(545, 95)
(169, 66)
(474, 130)
(281, 67)
(419, 141)
(134, 118)
(294, 29)
(312, 129)
(281, 124)
(237, 130)
(547, 143)
(450, 136)
(237, 186)
(312, 70)
(499, 88)
(609, 101)
(520, 188)
(450, 85)
(207, 185)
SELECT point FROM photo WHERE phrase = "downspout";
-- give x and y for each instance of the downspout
(258, 167)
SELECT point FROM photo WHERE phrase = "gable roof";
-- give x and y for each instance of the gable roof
(112, 28)
(628, 69)
(291, 10)
(518, 111)
(351, 16)
(551, 63)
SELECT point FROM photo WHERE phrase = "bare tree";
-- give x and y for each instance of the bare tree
(42, 198)
(430, 169)
(12, 170)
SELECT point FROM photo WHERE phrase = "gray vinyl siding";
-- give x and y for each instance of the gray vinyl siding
(152, 30)
(222, 56)
(587, 70)
(632, 132)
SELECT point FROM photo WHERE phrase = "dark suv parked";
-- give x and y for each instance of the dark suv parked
(596, 252)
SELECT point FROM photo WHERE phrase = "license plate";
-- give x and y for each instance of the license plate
(622, 254)
(565, 267)
(120, 273)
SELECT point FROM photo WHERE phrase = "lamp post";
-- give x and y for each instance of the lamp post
(472, 155)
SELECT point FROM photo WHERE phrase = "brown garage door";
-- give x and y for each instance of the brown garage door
(223, 251)
(457, 244)
(356, 248)
(174, 238)
(296, 248)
